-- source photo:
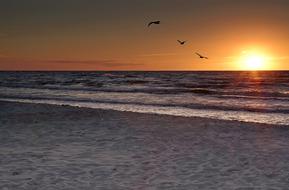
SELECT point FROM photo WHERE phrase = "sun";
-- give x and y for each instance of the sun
(253, 60)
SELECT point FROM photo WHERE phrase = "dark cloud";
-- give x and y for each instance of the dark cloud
(102, 63)
(105, 63)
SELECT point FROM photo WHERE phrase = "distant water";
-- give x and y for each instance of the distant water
(261, 97)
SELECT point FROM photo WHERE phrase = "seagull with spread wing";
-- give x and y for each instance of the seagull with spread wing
(181, 42)
(154, 22)
(201, 56)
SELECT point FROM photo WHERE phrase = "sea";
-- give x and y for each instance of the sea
(246, 96)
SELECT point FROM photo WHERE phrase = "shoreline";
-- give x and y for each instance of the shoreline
(166, 111)
(62, 147)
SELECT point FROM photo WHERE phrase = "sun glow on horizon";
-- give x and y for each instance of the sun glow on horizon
(253, 60)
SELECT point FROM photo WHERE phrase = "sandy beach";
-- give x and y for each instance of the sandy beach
(52, 147)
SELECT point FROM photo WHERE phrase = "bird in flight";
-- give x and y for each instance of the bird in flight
(201, 56)
(181, 42)
(154, 22)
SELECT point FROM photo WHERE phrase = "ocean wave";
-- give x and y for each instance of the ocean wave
(195, 89)
(262, 92)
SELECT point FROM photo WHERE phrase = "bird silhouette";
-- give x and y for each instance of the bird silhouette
(154, 22)
(181, 42)
(201, 56)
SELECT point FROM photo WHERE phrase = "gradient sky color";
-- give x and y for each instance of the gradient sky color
(113, 34)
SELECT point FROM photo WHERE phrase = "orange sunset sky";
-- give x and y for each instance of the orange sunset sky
(113, 34)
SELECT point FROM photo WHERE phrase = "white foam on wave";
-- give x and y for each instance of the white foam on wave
(265, 118)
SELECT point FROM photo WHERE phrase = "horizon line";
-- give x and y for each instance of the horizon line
(143, 70)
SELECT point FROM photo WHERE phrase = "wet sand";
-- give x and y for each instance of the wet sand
(52, 147)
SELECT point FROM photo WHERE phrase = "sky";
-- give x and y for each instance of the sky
(113, 34)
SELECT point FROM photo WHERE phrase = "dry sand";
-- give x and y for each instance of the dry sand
(46, 147)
